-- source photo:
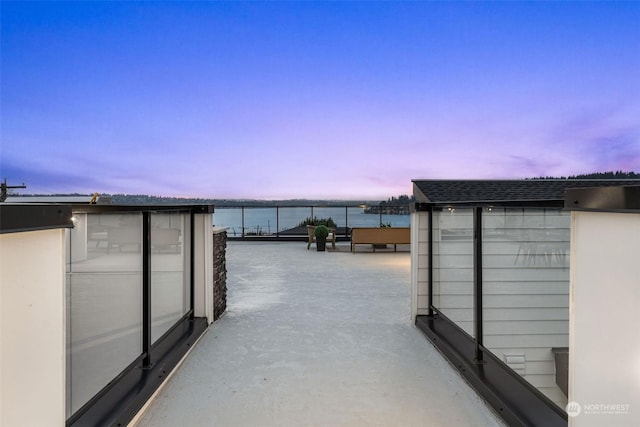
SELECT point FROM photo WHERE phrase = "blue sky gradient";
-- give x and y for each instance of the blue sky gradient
(340, 100)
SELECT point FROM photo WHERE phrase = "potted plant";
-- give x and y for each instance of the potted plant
(320, 233)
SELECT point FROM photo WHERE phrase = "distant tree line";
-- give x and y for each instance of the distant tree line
(597, 175)
(392, 206)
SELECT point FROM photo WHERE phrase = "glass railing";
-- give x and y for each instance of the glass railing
(453, 265)
(170, 273)
(104, 301)
(285, 221)
(525, 286)
(523, 281)
(110, 255)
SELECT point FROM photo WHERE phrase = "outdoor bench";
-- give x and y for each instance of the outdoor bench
(380, 236)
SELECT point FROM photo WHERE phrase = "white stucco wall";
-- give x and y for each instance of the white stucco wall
(32, 329)
(604, 358)
(203, 256)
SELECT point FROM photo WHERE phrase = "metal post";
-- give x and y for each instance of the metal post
(277, 221)
(242, 208)
(346, 221)
(477, 281)
(430, 260)
(192, 264)
(146, 289)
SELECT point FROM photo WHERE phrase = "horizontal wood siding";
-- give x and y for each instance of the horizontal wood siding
(526, 290)
(422, 257)
(453, 265)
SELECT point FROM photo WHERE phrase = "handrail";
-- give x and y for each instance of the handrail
(199, 209)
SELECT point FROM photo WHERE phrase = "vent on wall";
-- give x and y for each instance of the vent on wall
(516, 362)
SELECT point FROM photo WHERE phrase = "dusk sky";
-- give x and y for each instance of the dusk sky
(340, 100)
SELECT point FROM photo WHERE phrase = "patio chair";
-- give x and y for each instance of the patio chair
(330, 238)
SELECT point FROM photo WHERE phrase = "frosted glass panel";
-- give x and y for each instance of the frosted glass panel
(170, 284)
(104, 301)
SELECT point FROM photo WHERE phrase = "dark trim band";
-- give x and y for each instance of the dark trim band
(198, 209)
(424, 207)
(15, 218)
(604, 199)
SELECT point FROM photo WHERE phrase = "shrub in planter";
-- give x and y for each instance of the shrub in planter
(329, 222)
(320, 233)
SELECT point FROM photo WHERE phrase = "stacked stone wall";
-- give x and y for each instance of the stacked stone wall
(219, 274)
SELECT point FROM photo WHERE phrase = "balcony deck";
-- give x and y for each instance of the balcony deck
(315, 338)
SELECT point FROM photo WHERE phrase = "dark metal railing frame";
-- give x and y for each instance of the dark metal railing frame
(18, 218)
(146, 289)
(119, 401)
(513, 398)
(477, 283)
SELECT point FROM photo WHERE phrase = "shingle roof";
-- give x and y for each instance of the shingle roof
(461, 191)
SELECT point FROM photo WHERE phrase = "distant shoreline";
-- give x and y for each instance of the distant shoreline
(140, 199)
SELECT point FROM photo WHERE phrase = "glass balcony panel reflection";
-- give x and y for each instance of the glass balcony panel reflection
(170, 246)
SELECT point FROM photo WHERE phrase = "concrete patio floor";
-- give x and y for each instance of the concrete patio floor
(316, 339)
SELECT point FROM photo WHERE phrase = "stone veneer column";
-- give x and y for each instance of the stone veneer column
(219, 273)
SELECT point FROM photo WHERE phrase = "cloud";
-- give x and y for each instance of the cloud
(617, 151)
(530, 167)
(601, 139)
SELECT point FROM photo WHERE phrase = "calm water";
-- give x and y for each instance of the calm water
(270, 220)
